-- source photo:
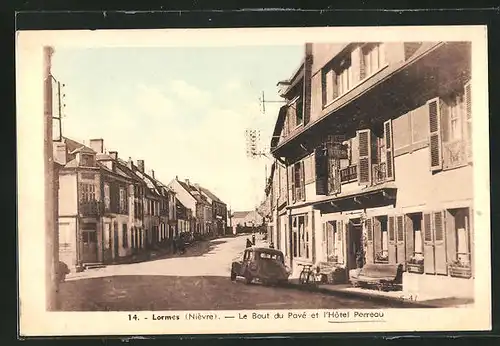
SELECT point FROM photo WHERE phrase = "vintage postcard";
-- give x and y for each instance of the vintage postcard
(253, 181)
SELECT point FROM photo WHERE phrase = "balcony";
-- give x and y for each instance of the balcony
(349, 174)
(379, 175)
(90, 208)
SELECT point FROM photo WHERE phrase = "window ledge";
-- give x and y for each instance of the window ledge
(359, 83)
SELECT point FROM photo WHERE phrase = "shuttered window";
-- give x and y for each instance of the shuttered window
(391, 228)
(389, 150)
(435, 146)
(364, 150)
(369, 241)
(438, 225)
(427, 228)
(321, 170)
(400, 228)
(369, 230)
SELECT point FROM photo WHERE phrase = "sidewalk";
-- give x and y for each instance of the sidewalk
(395, 297)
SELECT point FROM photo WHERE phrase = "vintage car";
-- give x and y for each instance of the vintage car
(262, 264)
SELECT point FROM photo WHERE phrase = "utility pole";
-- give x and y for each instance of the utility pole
(51, 250)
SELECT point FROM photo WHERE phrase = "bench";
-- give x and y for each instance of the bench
(381, 275)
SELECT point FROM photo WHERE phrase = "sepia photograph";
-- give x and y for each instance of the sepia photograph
(253, 180)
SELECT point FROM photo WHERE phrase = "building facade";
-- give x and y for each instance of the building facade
(109, 208)
(376, 140)
(98, 222)
(219, 212)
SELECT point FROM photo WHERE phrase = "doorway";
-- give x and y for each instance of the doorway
(89, 242)
(354, 244)
(115, 241)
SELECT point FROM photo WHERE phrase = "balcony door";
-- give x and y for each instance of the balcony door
(89, 243)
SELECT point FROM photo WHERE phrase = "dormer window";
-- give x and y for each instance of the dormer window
(87, 160)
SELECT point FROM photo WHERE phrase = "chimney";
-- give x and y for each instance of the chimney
(153, 174)
(97, 145)
(130, 163)
(176, 177)
(187, 181)
(59, 152)
(197, 186)
(114, 155)
(140, 165)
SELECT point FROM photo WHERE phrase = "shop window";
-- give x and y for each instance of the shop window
(301, 237)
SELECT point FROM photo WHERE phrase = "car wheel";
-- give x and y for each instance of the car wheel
(233, 276)
(248, 278)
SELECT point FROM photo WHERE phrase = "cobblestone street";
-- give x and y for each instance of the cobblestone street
(197, 280)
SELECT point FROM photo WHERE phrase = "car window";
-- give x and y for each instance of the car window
(270, 256)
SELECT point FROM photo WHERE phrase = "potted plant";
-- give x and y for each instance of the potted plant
(460, 269)
(416, 264)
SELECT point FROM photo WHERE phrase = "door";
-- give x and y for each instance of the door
(116, 244)
(355, 244)
(89, 243)
(245, 262)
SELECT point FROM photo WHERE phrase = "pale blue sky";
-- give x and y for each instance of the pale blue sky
(183, 110)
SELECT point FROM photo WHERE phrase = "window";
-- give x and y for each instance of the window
(382, 248)
(461, 217)
(343, 78)
(336, 80)
(89, 236)
(372, 60)
(87, 192)
(123, 200)
(301, 238)
(418, 240)
(87, 160)
(298, 181)
(125, 235)
(456, 108)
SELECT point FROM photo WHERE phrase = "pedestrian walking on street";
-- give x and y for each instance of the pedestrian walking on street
(249, 243)
(253, 239)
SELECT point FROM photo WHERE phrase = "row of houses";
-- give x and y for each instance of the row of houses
(373, 161)
(110, 208)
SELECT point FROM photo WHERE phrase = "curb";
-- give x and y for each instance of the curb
(360, 295)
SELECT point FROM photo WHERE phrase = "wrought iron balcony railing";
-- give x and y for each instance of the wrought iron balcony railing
(379, 174)
(349, 174)
(90, 208)
(454, 154)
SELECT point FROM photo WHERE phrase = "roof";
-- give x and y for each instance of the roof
(278, 127)
(210, 195)
(72, 145)
(83, 149)
(240, 214)
(185, 187)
